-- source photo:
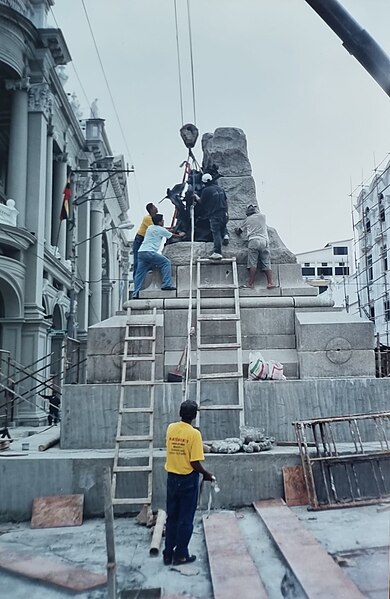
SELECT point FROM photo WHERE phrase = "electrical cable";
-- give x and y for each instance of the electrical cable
(106, 80)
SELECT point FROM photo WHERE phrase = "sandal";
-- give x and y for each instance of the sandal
(183, 560)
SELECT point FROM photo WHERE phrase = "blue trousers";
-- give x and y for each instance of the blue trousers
(147, 261)
(138, 239)
(182, 498)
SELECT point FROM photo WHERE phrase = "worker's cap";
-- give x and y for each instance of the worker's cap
(206, 178)
(250, 209)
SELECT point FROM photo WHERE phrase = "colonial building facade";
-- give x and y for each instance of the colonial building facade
(57, 275)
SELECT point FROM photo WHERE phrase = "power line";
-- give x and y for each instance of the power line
(106, 80)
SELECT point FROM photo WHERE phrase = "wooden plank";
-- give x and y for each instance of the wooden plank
(45, 569)
(295, 490)
(233, 572)
(57, 510)
(316, 571)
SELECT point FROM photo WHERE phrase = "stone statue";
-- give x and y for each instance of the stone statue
(94, 109)
(225, 156)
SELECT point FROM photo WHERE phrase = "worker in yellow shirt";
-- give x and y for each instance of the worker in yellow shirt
(138, 239)
(184, 456)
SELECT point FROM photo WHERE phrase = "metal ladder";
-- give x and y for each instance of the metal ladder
(236, 345)
(143, 321)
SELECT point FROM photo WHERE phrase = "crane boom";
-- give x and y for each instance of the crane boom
(356, 40)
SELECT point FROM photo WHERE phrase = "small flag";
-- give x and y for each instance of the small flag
(65, 210)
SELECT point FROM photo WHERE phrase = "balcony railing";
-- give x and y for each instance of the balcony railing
(8, 212)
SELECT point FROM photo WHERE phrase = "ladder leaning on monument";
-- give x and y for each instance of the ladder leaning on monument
(143, 322)
(236, 345)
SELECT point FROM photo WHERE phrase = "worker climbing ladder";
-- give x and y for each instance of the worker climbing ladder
(230, 347)
(140, 329)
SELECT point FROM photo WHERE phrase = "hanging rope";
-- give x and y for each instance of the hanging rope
(178, 63)
(192, 59)
(189, 315)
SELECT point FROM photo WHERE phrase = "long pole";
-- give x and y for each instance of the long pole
(110, 538)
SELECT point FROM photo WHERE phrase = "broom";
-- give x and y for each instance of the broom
(176, 374)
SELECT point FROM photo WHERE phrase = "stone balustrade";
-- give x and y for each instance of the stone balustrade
(8, 212)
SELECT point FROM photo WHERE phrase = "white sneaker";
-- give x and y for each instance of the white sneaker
(215, 256)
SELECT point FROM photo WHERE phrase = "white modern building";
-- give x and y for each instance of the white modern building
(57, 277)
(371, 227)
(331, 269)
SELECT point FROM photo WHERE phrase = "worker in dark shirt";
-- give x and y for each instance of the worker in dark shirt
(213, 198)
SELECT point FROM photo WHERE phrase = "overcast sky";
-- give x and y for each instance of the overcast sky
(315, 120)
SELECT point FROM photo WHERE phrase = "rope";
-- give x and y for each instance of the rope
(178, 63)
(192, 59)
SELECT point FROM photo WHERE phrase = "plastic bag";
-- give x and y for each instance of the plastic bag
(260, 369)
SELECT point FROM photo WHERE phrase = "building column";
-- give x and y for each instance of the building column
(95, 270)
(17, 155)
(35, 326)
(49, 184)
(83, 265)
(58, 228)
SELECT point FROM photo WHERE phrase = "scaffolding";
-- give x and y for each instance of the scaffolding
(371, 204)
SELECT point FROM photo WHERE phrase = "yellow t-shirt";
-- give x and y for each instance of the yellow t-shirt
(146, 222)
(184, 445)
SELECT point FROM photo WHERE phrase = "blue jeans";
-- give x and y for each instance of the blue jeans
(182, 498)
(147, 261)
(218, 230)
(138, 239)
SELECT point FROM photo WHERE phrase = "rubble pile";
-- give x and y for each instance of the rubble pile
(251, 440)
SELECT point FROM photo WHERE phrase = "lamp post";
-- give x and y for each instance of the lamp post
(84, 197)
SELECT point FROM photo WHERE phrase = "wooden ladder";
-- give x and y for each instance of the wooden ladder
(143, 322)
(236, 346)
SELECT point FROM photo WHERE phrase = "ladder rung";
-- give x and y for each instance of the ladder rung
(124, 438)
(138, 358)
(141, 320)
(140, 338)
(218, 317)
(132, 469)
(219, 286)
(220, 375)
(220, 261)
(138, 383)
(135, 410)
(219, 346)
(130, 500)
(222, 407)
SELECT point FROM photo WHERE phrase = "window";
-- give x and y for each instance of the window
(382, 213)
(308, 272)
(341, 250)
(326, 272)
(384, 256)
(370, 271)
(341, 270)
(368, 226)
(386, 307)
(307, 264)
(341, 263)
(372, 311)
(324, 264)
